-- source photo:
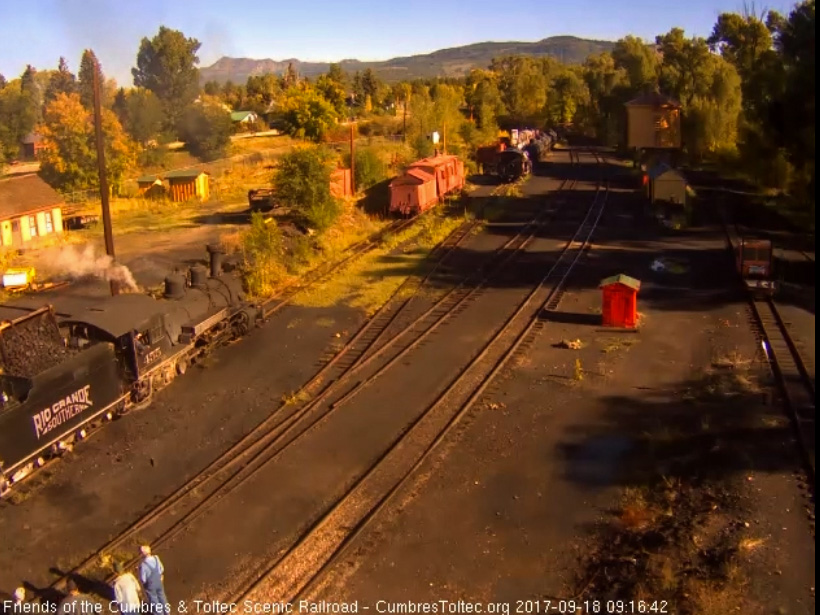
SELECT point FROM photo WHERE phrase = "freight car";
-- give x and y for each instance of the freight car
(425, 183)
(755, 263)
(487, 157)
(66, 368)
(540, 147)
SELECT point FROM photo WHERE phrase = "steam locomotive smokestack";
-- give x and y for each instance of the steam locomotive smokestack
(216, 260)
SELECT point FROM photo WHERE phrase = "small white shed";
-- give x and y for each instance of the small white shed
(666, 184)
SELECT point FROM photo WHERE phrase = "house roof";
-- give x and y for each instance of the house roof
(26, 194)
(662, 169)
(148, 179)
(238, 116)
(185, 174)
(32, 137)
(622, 279)
(653, 99)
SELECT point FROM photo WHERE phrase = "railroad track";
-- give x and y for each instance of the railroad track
(293, 573)
(280, 430)
(282, 298)
(789, 367)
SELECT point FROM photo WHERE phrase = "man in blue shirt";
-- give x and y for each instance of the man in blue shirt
(151, 573)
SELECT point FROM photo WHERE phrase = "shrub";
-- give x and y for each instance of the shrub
(302, 182)
(263, 253)
(370, 168)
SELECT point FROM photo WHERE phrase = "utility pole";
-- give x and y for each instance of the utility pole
(352, 159)
(106, 210)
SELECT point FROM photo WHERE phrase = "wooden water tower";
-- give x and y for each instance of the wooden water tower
(653, 127)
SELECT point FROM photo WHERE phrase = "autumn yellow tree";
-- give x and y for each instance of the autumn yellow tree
(69, 158)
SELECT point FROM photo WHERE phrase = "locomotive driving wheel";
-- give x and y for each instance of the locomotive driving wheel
(241, 325)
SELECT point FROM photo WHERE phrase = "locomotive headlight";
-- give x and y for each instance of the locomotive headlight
(40, 462)
(82, 433)
(109, 416)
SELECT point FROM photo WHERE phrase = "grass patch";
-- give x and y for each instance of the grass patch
(612, 344)
(250, 144)
(295, 397)
(369, 281)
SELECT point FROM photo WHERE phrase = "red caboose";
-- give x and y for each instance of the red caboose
(413, 192)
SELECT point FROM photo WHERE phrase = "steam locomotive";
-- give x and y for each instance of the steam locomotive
(68, 367)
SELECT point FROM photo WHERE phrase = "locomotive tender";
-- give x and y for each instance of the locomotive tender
(64, 368)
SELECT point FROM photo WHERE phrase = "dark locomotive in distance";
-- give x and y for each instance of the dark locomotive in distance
(66, 368)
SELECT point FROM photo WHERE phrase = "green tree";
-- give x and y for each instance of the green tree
(640, 62)
(336, 74)
(569, 93)
(18, 117)
(85, 78)
(31, 90)
(290, 78)
(370, 85)
(795, 112)
(261, 91)
(143, 115)
(206, 130)
(523, 87)
(484, 101)
(167, 65)
(609, 88)
(334, 93)
(69, 160)
(302, 182)
(212, 88)
(746, 42)
(307, 114)
(62, 81)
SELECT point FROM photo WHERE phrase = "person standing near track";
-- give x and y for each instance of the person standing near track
(152, 577)
(126, 590)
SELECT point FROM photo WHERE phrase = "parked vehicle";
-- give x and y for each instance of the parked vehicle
(261, 199)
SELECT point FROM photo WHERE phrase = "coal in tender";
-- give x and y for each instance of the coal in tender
(32, 346)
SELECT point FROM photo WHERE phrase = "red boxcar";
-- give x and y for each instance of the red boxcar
(425, 183)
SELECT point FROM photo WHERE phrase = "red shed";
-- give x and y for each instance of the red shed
(413, 192)
(620, 306)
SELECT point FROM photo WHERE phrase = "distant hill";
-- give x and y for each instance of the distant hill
(453, 62)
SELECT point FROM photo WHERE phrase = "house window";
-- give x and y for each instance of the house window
(49, 223)
(32, 226)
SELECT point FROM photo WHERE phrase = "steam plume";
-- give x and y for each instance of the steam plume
(75, 263)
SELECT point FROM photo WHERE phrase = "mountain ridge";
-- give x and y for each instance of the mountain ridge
(446, 62)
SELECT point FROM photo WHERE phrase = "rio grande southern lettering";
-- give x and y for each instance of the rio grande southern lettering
(63, 410)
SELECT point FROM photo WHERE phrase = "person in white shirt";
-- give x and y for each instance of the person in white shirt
(126, 590)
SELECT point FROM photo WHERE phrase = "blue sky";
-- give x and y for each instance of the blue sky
(37, 32)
